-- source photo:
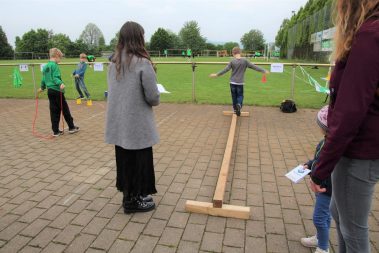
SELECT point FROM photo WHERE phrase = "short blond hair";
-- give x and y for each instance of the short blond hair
(55, 52)
(236, 50)
(83, 56)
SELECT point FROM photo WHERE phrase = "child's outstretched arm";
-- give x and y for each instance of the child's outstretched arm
(256, 68)
(226, 69)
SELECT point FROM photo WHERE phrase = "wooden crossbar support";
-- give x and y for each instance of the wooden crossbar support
(228, 113)
(217, 208)
(223, 175)
(239, 212)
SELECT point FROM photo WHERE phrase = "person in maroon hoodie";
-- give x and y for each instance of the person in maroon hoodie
(351, 149)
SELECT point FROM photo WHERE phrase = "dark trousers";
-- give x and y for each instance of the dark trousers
(56, 98)
(237, 94)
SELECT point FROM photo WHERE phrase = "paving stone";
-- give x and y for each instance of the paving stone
(121, 246)
(35, 227)
(193, 232)
(178, 220)
(188, 247)
(132, 231)
(105, 239)
(145, 244)
(15, 244)
(68, 234)
(212, 242)
(45, 237)
(95, 226)
(171, 237)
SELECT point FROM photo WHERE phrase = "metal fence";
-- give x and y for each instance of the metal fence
(192, 79)
(299, 44)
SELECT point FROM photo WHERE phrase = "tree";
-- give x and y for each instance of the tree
(175, 39)
(5, 49)
(191, 38)
(229, 45)
(253, 40)
(34, 41)
(61, 41)
(160, 40)
(91, 36)
(114, 41)
(74, 49)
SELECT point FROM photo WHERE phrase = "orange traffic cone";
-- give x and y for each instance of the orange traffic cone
(264, 80)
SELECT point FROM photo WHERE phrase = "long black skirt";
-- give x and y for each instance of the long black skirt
(135, 171)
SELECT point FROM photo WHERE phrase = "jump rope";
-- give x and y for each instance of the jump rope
(39, 135)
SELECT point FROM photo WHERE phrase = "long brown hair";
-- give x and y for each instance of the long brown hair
(349, 16)
(130, 42)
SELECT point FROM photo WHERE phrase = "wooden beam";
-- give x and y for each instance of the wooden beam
(223, 175)
(239, 212)
(229, 113)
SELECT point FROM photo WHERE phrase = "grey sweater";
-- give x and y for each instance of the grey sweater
(130, 121)
(238, 67)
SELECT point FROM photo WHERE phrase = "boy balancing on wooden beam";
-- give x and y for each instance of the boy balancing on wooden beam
(238, 66)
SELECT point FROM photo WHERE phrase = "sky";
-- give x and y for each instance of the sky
(219, 20)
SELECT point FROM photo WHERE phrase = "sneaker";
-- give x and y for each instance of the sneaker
(238, 110)
(80, 98)
(310, 242)
(318, 250)
(73, 130)
(58, 133)
(137, 205)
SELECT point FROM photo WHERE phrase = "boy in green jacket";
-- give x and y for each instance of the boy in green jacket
(52, 80)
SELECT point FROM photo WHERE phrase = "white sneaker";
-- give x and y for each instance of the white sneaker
(310, 242)
(318, 250)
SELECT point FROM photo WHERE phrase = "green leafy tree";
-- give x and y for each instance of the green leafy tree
(191, 38)
(91, 36)
(61, 41)
(5, 48)
(229, 45)
(175, 39)
(34, 41)
(114, 41)
(253, 40)
(160, 40)
(74, 49)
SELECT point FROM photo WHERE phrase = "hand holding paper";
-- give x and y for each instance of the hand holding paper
(298, 173)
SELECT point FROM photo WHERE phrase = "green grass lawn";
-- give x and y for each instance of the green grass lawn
(177, 78)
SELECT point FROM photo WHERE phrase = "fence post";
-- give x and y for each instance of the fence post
(34, 82)
(193, 82)
(293, 81)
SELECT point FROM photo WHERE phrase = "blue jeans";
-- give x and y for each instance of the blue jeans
(237, 95)
(79, 84)
(321, 219)
(353, 183)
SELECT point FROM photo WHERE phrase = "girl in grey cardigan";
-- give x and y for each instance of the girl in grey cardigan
(130, 124)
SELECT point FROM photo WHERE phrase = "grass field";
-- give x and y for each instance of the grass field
(177, 78)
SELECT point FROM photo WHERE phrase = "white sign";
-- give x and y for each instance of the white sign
(98, 66)
(318, 36)
(24, 67)
(298, 173)
(277, 68)
(161, 89)
(42, 65)
(328, 34)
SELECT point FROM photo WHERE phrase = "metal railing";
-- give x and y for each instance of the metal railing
(193, 65)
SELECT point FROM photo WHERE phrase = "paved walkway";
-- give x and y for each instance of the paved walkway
(60, 196)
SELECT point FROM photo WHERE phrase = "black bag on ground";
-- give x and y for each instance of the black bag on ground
(288, 106)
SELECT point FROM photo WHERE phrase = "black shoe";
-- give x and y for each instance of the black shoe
(73, 130)
(238, 110)
(58, 133)
(147, 198)
(137, 205)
